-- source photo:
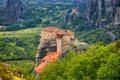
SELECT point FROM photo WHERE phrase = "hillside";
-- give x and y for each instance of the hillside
(99, 62)
(18, 50)
(7, 73)
(32, 13)
(29, 13)
(19, 45)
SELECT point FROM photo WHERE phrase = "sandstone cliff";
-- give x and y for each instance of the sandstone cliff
(11, 11)
(103, 13)
(71, 16)
(78, 10)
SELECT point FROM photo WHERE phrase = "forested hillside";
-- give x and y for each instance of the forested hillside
(19, 45)
(18, 50)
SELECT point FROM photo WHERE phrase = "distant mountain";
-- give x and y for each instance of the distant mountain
(11, 11)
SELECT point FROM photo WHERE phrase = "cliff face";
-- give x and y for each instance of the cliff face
(11, 11)
(77, 10)
(69, 17)
(101, 13)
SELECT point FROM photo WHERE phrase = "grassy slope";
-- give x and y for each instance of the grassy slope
(20, 33)
(19, 44)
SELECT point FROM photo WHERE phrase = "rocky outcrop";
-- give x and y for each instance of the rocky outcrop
(44, 48)
(69, 17)
(117, 17)
(103, 12)
(7, 73)
(11, 11)
(78, 10)
(77, 49)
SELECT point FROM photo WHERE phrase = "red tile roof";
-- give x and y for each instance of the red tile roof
(58, 31)
(50, 57)
(41, 67)
(69, 33)
(50, 29)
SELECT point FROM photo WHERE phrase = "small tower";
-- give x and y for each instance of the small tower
(59, 39)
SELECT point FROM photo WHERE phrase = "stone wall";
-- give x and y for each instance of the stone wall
(66, 38)
(47, 35)
(44, 48)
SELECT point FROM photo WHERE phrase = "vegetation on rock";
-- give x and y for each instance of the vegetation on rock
(7, 73)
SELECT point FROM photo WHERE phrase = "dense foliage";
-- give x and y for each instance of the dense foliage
(95, 35)
(99, 62)
(19, 45)
(25, 66)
